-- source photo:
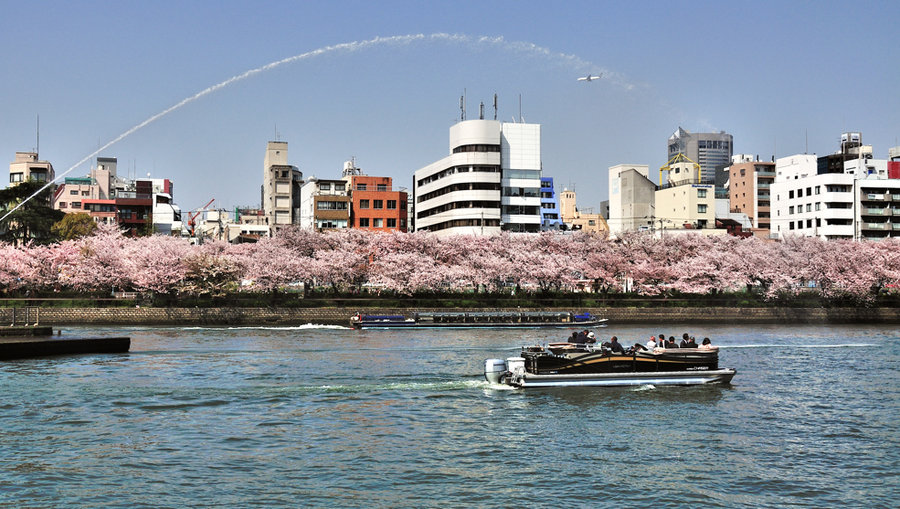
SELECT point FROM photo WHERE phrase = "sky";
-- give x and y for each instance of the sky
(381, 82)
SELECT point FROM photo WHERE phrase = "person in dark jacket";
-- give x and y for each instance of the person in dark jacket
(615, 346)
(671, 342)
(684, 340)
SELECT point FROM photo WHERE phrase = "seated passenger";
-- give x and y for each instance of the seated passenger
(706, 345)
(591, 338)
(684, 340)
(652, 343)
(574, 338)
(671, 342)
(692, 343)
(615, 346)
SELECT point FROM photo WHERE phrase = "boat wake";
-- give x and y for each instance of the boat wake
(307, 326)
(839, 345)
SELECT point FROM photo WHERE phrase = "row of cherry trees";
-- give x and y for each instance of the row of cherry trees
(407, 263)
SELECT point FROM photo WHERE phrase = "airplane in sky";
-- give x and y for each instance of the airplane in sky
(590, 77)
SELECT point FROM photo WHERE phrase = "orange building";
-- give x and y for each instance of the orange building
(376, 205)
(748, 192)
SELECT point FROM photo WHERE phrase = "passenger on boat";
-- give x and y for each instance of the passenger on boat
(691, 343)
(614, 345)
(706, 345)
(671, 342)
(591, 338)
(652, 343)
(684, 340)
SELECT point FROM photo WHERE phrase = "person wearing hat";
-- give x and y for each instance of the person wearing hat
(591, 338)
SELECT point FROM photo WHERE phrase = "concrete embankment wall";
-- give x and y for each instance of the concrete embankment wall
(340, 316)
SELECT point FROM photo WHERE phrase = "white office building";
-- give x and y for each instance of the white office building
(491, 181)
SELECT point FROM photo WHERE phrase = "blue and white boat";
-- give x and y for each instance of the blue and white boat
(486, 319)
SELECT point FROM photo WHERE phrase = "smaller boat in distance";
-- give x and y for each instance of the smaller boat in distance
(487, 319)
(581, 365)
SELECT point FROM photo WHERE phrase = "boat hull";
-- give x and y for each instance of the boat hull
(657, 378)
(475, 325)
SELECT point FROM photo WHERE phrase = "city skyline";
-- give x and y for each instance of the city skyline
(779, 82)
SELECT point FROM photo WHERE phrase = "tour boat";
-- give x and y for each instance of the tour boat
(574, 365)
(488, 319)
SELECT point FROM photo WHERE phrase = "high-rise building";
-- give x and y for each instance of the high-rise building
(491, 181)
(281, 187)
(712, 151)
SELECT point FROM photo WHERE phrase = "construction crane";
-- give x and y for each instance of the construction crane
(192, 215)
(680, 158)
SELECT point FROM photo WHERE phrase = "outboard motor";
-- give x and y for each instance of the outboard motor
(494, 369)
(516, 366)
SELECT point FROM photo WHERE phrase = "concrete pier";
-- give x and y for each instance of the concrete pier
(27, 342)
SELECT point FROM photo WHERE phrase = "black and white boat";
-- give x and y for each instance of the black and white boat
(489, 319)
(579, 365)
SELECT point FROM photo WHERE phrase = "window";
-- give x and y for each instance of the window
(382, 187)
(391, 222)
(809, 223)
(391, 204)
(360, 187)
(62, 204)
(808, 191)
(791, 209)
(76, 205)
(790, 195)
(809, 207)
(364, 222)
(403, 223)
(402, 205)
(364, 204)
(340, 187)
(701, 193)
(818, 189)
(701, 208)
(800, 193)
(74, 192)
(85, 193)
(791, 225)
(15, 177)
(378, 222)
(325, 186)
(377, 204)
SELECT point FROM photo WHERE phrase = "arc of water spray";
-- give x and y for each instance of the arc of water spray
(523, 47)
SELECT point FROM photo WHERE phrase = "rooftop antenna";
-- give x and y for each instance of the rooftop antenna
(806, 148)
(495, 106)
(481, 111)
(520, 108)
(37, 149)
(276, 131)
(462, 106)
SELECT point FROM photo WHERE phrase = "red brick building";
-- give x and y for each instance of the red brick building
(376, 205)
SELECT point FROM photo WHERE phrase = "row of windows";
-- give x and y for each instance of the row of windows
(377, 222)
(332, 205)
(457, 223)
(379, 204)
(714, 144)
(476, 148)
(466, 186)
(520, 210)
(526, 192)
(458, 205)
(365, 187)
(326, 186)
(458, 169)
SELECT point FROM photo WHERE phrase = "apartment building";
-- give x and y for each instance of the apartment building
(374, 203)
(684, 201)
(749, 191)
(550, 218)
(27, 166)
(281, 187)
(324, 204)
(575, 219)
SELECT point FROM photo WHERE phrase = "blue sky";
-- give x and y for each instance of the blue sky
(773, 74)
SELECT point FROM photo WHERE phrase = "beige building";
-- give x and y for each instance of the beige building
(632, 198)
(28, 167)
(577, 220)
(281, 187)
(683, 203)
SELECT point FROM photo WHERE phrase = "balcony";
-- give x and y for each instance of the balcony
(868, 211)
(876, 226)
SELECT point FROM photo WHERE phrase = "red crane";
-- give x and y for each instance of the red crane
(193, 215)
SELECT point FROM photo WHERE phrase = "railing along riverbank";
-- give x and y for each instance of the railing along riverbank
(224, 316)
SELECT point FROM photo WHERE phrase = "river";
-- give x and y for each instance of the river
(332, 417)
